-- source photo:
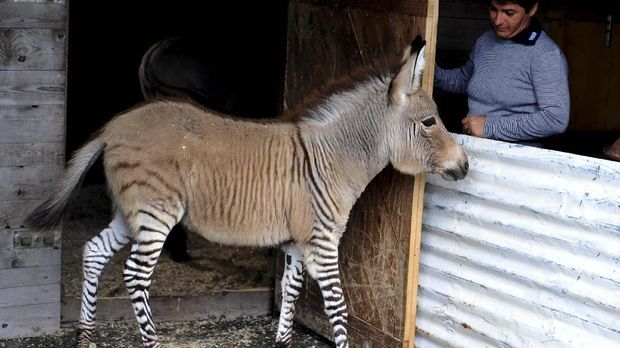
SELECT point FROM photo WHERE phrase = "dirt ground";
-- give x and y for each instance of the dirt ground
(245, 332)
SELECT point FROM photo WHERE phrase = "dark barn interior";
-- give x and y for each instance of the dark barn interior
(106, 44)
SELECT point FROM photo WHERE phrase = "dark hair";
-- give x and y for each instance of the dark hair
(526, 4)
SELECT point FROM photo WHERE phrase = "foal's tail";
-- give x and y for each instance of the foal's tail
(50, 213)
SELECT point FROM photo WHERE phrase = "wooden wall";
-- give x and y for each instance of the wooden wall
(378, 253)
(32, 137)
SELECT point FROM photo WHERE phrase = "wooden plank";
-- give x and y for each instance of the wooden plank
(27, 321)
(6, 239)
(30, 124)
(32, 87)
(28, 182)
(32, 49)
(593, 109)
(349, 38)
(30, 295)
(21, 277)
(21, 258)
(14, 213)
(417, 199)
(35, 153)
(229, 304)
(410, 7)
(32, 15)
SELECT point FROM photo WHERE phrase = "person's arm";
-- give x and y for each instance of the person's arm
(454, 80)
(550, 82)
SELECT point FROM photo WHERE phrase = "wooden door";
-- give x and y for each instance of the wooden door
(32, 157)
(589, 35)
(379, 252)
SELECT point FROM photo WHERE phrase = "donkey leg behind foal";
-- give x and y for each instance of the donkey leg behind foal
(289, 183)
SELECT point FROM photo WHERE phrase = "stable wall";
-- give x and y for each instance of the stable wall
(32, 136)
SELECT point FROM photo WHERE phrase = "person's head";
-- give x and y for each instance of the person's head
(510, 17)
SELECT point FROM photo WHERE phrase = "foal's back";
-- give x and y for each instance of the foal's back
(233, 181)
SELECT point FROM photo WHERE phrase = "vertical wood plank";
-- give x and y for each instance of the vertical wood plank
(415, 238)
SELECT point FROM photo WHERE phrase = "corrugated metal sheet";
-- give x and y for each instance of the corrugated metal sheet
(524, 252)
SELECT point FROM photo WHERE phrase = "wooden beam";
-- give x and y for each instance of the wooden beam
(415, 238)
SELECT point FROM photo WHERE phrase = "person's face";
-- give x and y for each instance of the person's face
(509, 19)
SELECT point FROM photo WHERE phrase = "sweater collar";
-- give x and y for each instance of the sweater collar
(529, 35)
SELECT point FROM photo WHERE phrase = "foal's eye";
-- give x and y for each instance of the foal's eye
(427, 122)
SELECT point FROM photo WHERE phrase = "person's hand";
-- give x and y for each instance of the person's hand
(474, 125)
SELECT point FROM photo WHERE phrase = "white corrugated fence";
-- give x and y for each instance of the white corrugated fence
(524, 252)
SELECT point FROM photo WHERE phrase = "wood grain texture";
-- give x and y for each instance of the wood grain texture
(32, 15)
(26, 258)
(32, 128)
(29, 154)
(41, 275)
(28, 124)
(326, 41)
(32, 87)
(32, 320)
(32, 49)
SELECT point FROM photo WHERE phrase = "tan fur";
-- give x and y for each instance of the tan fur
(211, 168)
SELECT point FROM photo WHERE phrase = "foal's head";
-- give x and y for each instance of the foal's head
(420, 141)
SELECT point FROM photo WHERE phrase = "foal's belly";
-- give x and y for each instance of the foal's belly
(259, 236)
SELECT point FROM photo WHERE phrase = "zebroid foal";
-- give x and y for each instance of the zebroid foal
(288, 183)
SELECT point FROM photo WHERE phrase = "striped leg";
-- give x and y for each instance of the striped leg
(322, 264)
(153, 227)
(292, 281)
(97, 253)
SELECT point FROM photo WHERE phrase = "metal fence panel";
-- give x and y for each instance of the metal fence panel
(524, 252)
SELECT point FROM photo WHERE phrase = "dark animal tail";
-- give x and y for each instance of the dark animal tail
(51, 212)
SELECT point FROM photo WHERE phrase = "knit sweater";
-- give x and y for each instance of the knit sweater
(521, 89)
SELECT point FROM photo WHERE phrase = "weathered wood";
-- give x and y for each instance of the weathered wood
(28, 182)
(593, 109)
(32, 49)
(36, 153)
(32, 15)
(348, 38)
(13, 213)
(29, 295)
(32, 87)
(34, 320)
(28, 124)
(32, 127)
(6, 239)
(18, 277)
(229, 304)
(21, 258)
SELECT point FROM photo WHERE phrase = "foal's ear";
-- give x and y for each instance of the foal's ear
(409, 79)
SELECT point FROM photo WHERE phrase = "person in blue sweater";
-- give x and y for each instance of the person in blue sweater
(516, 79)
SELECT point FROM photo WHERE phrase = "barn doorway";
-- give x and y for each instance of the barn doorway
(105, 46)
